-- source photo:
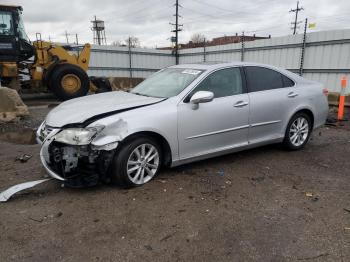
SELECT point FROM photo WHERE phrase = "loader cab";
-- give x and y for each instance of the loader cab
(15, 45)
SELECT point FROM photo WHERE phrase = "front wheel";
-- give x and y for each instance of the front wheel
(69, 81)
(298, 131)
(136, 163)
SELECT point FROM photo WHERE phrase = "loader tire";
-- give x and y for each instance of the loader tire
(68, 81)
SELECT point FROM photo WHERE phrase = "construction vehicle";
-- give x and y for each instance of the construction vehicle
(47, 66)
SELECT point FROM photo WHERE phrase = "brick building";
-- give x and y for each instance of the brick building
(223, 40)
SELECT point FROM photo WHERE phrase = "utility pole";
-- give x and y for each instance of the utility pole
(130, 59)
(204, 50)
(66, 36)
(296, 11)
(177, 30)
(242, 46)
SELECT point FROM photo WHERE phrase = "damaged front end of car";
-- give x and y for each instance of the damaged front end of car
(76, 155)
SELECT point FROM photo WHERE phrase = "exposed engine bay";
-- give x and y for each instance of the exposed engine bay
(80, 166)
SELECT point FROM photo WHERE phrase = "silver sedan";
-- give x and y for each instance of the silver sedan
(180, 114)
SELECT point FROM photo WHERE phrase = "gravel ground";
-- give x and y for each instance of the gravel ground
(265, 204)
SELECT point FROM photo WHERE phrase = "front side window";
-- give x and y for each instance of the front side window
(167, 83)
(21, 31)
(6, 23)
(224, 82)
(260, 79)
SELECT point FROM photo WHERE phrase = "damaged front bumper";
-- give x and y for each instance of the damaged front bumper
(75, 165)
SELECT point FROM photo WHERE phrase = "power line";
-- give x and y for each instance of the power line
(257, 6)
(220, 16)
(138, 11)
(144, 14)
(296, 22)
(218, 20)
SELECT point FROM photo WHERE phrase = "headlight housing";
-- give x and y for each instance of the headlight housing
(78, 136)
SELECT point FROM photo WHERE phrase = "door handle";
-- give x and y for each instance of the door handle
(240, 104)
(292, 94)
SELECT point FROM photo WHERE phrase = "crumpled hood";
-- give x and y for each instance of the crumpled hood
(80, 109)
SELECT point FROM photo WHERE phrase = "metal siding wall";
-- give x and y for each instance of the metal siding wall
(283, 52)
(111, 61)
(330, 80)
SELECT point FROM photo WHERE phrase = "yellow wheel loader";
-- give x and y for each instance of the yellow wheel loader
(47, 66)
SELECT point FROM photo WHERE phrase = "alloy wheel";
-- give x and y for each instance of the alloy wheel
(143, 164)
(299, 131)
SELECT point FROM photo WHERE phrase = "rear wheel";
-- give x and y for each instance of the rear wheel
(136, 163)
(298, 131)
(69, 81)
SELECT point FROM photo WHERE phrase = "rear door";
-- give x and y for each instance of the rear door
(217, 125)
(273, 96)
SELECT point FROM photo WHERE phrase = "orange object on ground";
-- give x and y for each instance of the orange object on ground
(342, 99)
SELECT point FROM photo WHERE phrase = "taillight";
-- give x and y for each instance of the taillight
(325, 91)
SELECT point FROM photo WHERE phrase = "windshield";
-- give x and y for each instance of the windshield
(21, 31)
(6, 23)
(167, 83)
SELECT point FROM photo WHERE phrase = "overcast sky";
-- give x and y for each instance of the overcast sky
(149, 19)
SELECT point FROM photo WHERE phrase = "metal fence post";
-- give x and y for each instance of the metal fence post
(301, 68)
(130, 58)
(242, 47)
(204, 51)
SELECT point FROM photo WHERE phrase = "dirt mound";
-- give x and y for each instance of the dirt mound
(11, 105)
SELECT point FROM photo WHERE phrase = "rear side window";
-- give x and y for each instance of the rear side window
(224, 82)
(287, 82)
(260, 79)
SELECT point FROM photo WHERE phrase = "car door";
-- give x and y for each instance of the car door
(272, 97)
(216, 125)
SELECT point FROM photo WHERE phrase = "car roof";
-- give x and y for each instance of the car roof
(217, 65)
(206, 65)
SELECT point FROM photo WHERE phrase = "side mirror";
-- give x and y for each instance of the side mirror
(202, 97)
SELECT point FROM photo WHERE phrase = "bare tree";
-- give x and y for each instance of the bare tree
(118, 43)
(134, 41)
(197, 38)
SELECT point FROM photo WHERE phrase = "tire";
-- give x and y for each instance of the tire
(102, 84)
(68, 81)
(127, 154)
(297, 135)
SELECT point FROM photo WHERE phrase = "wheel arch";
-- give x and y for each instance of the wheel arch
(50, 69)
(308, 112)
(304, 110)
(165, 146)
